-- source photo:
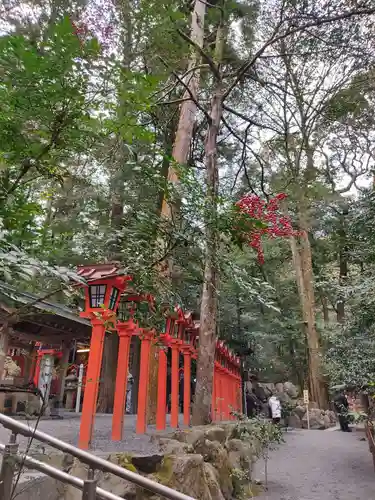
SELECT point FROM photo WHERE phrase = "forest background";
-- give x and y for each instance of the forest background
(129, 130)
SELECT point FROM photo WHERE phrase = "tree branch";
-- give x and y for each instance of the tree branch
(317, 22)
(248, 119)
(205, 56)
(186, 87)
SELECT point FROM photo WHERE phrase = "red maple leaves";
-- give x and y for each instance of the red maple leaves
(272, 222)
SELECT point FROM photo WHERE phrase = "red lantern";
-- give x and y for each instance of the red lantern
(105, 285)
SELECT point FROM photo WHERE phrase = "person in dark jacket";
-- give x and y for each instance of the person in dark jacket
(342, 406)
(253, 404)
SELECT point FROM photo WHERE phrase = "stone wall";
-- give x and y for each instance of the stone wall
(289, 395)
(207, 463)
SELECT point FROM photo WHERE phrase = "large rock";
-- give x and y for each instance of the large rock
(283, 397)
(279, 387)
(316, 417)
(174, 447)
(78, 470)
(208, 449)
(214, 453)
(269, 389)
(220, 461)
(115, 484)
(212, 480)
(327, 421)
(57, 459)
(259, 391)
(118, 486)
(216, 433)
(243, 455)
(191, 437)
(299, 411)
(187, 474)
(294, 421)
(147, 464)
(319, 419)
(332, 416)
(291, 390)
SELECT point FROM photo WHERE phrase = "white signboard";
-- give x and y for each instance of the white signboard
(306, 397)
(306, 401)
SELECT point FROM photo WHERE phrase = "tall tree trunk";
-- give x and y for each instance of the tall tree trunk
(110, 353)
(168, 141)
(209, 304)
(325, 309)
(4, 344)
(302, 260)
(208, 313)
(188, 110)
(343, 265)
(180, 154)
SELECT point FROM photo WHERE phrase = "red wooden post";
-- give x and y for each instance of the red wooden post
(92, 383)
(175, 384)
(125, 332)
(34, 357)
(232, 394)
(228, 380)
(161, 411)
(187, 384)
(229, 393)
(144, 372)
(240, 389)
(38, 361)
(217, 391)
(224, 393)
(219, 396)
(213, 404)
(236, 400)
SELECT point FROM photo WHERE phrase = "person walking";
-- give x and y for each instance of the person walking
(342, 406)
(275, 407)
(129, 390)
(253, 405)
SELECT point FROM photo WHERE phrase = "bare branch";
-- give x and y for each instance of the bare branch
(273, 39)
(205, 56)
(196, 102)
(248, 119)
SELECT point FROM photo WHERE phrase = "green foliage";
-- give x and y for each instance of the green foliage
(260, 431)
(86, 140)
(18, 266)
(45, 97)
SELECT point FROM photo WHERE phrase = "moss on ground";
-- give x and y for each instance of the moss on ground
(125, 461)
(252, 490)
(165, 473)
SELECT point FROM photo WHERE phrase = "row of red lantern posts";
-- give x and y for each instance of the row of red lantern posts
(102, 298)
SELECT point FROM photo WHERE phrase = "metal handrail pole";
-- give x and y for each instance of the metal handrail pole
(93, 461)
(89, 486)
(59, 475)
(8, 468)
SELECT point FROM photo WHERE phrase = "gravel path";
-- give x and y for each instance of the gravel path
(320, 465)
(67, 430)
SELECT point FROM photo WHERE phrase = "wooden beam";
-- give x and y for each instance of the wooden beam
(55, 327)
(46, 339)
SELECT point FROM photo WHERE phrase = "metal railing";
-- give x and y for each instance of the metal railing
(90, 490)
